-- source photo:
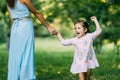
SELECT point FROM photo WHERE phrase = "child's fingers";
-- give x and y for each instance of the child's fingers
(93, 18)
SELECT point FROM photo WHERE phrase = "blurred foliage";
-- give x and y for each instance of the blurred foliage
(61, 14)
(3, 21)
(54, 63)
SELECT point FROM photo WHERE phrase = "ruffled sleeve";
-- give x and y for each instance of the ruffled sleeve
(96, 33)
(68, 42)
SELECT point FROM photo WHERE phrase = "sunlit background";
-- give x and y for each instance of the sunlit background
(52, 60)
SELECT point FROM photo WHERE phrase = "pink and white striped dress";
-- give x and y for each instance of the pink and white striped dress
(84, 55)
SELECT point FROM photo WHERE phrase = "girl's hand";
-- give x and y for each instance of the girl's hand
(52, 30)
(93, 18)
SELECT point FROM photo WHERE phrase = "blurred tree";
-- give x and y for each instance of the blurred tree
(3, 19)
(65, 12)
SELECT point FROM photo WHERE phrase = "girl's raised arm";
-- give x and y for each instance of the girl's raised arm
(98, 28)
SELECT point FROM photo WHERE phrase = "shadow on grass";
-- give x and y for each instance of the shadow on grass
(56, 66)
(3, 63)
(51, 67)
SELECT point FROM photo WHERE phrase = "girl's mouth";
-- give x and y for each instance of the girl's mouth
(78, 33)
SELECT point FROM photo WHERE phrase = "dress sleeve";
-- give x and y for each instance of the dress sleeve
(96, 33)
(68, 42)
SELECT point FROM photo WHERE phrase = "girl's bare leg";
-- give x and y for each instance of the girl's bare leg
(82, 76)
(87, 75)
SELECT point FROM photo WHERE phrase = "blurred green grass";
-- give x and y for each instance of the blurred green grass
(53, 61)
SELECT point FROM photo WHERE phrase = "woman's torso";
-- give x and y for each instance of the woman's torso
(19, 11)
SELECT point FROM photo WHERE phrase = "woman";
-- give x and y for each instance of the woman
(21, 54)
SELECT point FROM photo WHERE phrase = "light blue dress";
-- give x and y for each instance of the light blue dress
(21, 54)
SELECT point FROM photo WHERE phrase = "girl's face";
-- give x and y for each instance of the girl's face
(80, 30)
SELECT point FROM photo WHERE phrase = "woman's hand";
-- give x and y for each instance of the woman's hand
(52, 30)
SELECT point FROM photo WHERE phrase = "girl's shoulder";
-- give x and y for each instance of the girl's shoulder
(88, 36)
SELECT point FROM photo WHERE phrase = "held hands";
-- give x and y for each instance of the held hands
(52, 30)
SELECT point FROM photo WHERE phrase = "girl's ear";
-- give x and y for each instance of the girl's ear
(85, 30)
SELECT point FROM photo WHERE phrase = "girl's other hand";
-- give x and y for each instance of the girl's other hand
(52, 30)
(93, 18)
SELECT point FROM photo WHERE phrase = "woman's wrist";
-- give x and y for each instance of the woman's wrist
(47, 26)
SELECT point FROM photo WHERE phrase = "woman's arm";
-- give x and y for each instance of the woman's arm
(38, 15)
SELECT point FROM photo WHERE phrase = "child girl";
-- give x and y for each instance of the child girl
(84, 56)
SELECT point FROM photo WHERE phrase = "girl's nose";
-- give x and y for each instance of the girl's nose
(76, 30)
